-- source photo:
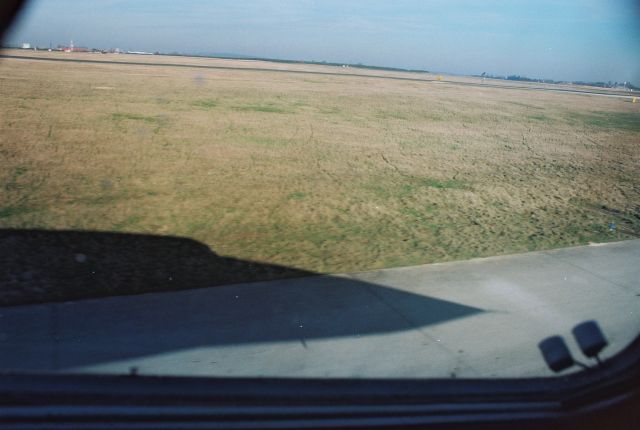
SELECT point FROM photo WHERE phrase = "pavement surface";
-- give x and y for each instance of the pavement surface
(477, 318)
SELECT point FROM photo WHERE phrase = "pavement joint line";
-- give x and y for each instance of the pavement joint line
(413, 325)
(550, 254)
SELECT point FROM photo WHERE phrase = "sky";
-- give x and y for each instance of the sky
(588, 40)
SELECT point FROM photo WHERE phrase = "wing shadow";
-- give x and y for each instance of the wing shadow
(56, 336)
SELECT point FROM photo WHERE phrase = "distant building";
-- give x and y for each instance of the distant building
(73, 48)
(26, 45)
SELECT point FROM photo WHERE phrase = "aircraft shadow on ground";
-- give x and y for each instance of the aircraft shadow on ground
(48, 266)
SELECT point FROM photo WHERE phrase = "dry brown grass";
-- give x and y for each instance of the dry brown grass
(325, 173)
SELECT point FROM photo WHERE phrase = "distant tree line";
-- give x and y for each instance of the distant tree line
(285, 61)
(609, 84)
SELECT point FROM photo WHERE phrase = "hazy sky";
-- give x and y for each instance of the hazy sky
(570, 40)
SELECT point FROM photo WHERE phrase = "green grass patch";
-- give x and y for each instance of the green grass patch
(298, 195)
(330, 110)
(525, 105)
(130, 221)
(629, 121)
(392, 115)
(450, 183)
(196, 226)
(433, 117)
(12, 183)
(539, 117)
(156, 122)
(118, 116)
(421, 142)
(20, 170)
(100, 200)
(421, 216)
(205, 104)
(412, 185)
(415, 185)
(266, 141)
(11, 211)
(268, 108)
